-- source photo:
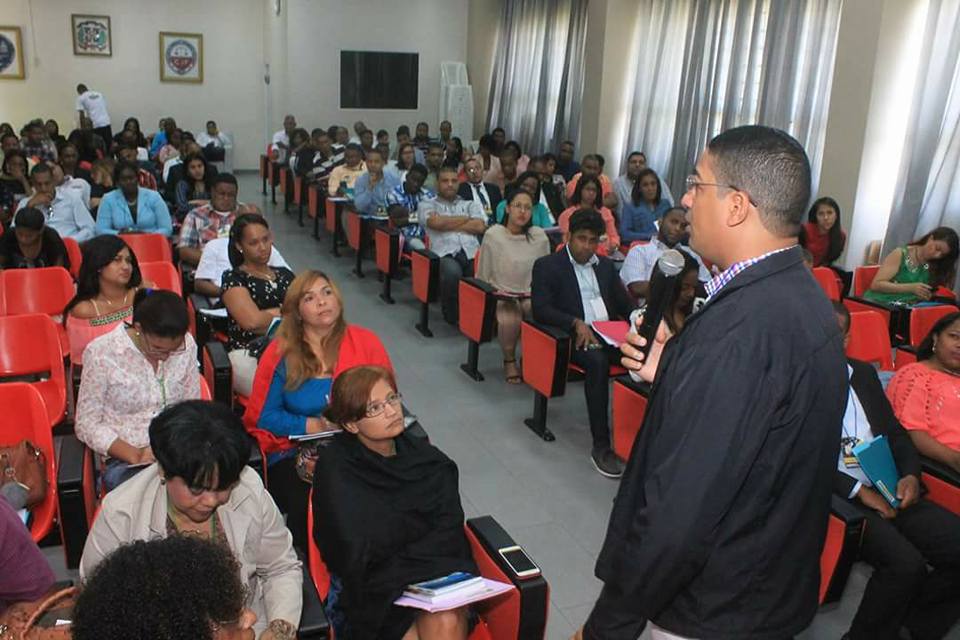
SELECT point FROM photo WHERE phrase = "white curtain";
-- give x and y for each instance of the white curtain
(727, 63)
(537, 82)
(928, 178)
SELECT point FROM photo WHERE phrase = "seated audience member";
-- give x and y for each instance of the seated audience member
(488, 161)
(299, 141)
(109, 278)
(213, 143)
(213, 220)
(324, 159)
(128, 153)
(508, 252)
(101, 176)
(446, 131)
(550, 162)
(926, 394)
(89, 146)
(129, 139)
(159, 139)
(51, 130)
(132, 125)
(912, 273)
(638, 266)
(588, 196)
(551, 195)
(173, 169)
(171, 149)
(35, 144)
(499, 140)
(14, 185)
(530, 183)
(387, 513)
(825, 239)
(508, 168)
(130, 208)
(371, 189)
(402, 205)
(26, 575)
(366, 141)
(343, 177)
(454, 226)
(572, 289)
(252, 291)
(187, 589)
(215, 261)
(523, 160)
(406, 158)
(314, 345)
(403, 137)
(422, 138)
(565, 165)
(280, 147)
(74, 179)
(358, 128)
(644, 208)
(342, 137)
(623, 185)
(899, 542)
(31, 244)
(383, 137)
(129, 375)
(193, 190)
(200, 487)
(63, 210)
(453, 154)
(434, 162)
(589, 168)
(679, 307)
(488, 194)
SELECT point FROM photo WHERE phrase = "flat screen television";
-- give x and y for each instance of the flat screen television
(379, 80)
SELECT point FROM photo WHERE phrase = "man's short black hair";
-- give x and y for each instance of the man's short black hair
(568, 142)
(382, 132)
(211, 122)
(41, 167)
(447, 169)
(418, 168)
(587, 219)
(403, 130)
(176, 588)
(29, 218)
(81, 88)
(224, 178)
(636, 153)
(353, 146)
(771, 167)
(332, 131)
(375, 150)
(435, 144)
(500, 129)
(201, 442)
(316, 133)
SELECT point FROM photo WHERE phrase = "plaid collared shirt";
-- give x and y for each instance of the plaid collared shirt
(723, 279)
(203, 224)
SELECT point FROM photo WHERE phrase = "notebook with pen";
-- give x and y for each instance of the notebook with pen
(876, 461)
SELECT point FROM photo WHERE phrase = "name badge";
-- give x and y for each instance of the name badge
(847, 444)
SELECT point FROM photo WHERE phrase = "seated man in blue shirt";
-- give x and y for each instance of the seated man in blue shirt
(572, 289)
(402, 203)
(371, 189)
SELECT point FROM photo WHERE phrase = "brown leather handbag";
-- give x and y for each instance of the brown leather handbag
(25, 464)
(37, 620)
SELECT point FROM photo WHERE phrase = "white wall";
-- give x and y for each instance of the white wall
(231, 93)
(315, 32)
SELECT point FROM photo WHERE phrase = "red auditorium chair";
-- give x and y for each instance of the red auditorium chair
(863, 278)
(24, 417)
(149, 247)
(163, 275)
(46, 291)
(30, 352)
(76, 257)
(626, 416)
(273, 176)
(827, 279)
(520, 614)
(354, 232)
(264, 170)
(425, 277)
(869, 339)
(386, 244)
(478, 313)
(315, 207)
(943, 484)
(299, 187)
(922, 320)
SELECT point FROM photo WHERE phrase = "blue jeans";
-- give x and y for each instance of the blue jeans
(116, 472)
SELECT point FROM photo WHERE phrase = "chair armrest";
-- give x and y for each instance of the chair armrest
(841, 548)
(425, 268)
(478, 309)
(545, 351)
(642, 387)
(942, 484)
(845, 511)
(940, 470)
(525, 618)
(70, 493)
(313, 619)
(554, 332)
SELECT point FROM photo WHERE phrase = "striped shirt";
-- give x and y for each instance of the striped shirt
(723, 279)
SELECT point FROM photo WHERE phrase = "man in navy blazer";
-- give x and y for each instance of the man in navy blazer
(487, 193)
(573, 288)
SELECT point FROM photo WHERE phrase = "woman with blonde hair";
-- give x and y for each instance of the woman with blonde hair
(291, 388)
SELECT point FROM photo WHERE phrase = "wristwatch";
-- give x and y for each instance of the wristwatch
(283, 630)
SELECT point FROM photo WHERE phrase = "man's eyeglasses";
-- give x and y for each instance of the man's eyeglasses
(692, 182)
(375, 409)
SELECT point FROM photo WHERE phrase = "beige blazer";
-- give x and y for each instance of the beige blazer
(262, 544)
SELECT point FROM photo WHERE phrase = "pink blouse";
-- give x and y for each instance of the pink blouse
(120, 393)
(82, 331)
(927, 400)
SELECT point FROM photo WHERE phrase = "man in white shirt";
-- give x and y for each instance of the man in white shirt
(623, 185)
(280, 147)
(214, 260)
(640, 260)
(214, 144)
(77, 186)
(65, 213)
(93, 107)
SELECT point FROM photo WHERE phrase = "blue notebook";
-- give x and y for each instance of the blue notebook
(877, 462)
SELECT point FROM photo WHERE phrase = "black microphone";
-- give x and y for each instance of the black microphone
(662, 284)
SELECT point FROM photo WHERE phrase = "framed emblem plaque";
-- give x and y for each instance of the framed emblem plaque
(181, 57)
(91, 35)
(11, 54)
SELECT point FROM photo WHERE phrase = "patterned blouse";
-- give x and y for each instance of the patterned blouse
(266, 294)
(120, 393)
(927, 400)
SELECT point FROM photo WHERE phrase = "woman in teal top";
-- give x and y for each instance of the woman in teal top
(912, 273)
(131, 208)
(529, 181)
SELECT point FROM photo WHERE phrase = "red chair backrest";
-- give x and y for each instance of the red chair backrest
(827, 280)
(149, 247)
(76, 257)
(830, 555)
(354, 229)
(863, 278)
(46, 290)
(941, 492)
(543, 365)
(30, 346)
(330, 219)
(629, 408)
(870, 339)
(205, 393)
(387, 250)
(922, 320)
(163, 275)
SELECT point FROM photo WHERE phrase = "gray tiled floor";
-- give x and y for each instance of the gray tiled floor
(547, 495)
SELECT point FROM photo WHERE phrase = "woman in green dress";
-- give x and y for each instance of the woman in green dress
(912, 273)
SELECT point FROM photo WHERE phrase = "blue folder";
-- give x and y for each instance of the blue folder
(876, 460)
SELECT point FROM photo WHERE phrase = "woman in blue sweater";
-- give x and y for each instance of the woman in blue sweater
(131, 208)
(646, 206)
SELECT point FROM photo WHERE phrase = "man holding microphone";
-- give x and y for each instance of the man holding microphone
(717, 529)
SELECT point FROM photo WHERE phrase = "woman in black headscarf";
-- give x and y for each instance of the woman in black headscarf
(387, 513)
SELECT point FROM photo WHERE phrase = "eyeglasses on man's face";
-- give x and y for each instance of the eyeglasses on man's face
(693, 182)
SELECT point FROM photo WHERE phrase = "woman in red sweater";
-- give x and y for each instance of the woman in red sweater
(824, 238)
